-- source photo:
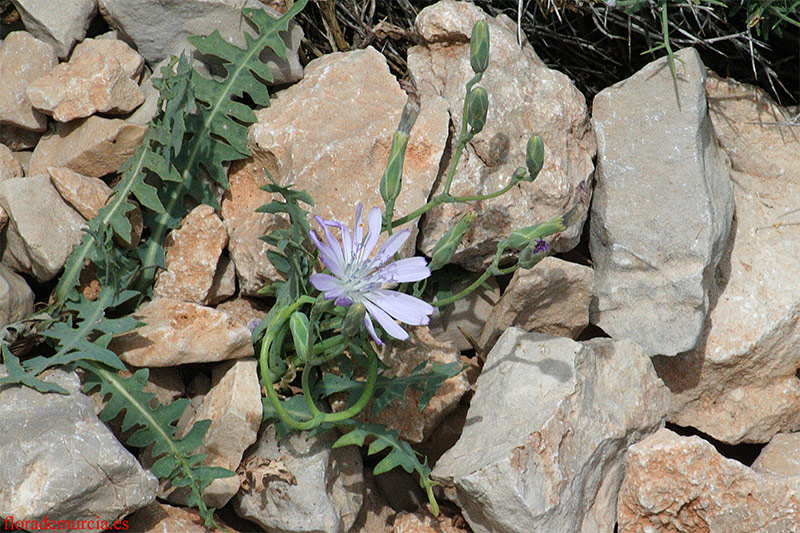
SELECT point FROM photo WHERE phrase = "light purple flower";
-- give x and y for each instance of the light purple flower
(358, 279)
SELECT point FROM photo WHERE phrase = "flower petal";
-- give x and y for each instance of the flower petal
(403, 271)
(325, 282)
(334, 245)
(389, 326)
(373, 233)
(358, 228)
(371, 329)
(327, 256)
(389, 248)
(403, 307)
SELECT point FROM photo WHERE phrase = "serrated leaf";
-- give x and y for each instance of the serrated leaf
(18, 376)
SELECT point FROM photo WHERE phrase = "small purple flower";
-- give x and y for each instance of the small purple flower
(358, 279)
(541, 246)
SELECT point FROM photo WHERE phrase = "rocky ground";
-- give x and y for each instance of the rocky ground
(643, 378)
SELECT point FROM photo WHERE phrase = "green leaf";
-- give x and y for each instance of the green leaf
(17, 375)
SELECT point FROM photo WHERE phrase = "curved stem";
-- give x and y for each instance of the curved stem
(307, 392)
(366, 396)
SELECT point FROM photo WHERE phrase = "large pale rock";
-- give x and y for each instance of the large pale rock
(234, 407)
(60, 27)
(553, 298)
(192, 255)
(86, 195)
(662, 208)
(781, 456)
(91, 82)
(318, 488)
(108, 45)
(552, 419)
(179, 332)
(94, 147)
(10, 167)
(162, 518)
(59, 461)
(467, 315)
(423, 522)
(675, 483)
(347, 107)
(739, 384)
(41, 233)
(525, 97)
(23, 58)
(16, 297)
(160, 29)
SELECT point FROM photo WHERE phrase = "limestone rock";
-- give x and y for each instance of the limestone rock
(525, 97)
(61, 28)
(657, 150)
(16, 297)
(234, 407)
(552, 419)
(93, 81)
(347, 107)
(553, 298)
(468, 314)
(93, 147)
(59, 461)
(161, 29)
(162, 518)
(245, 310)
(86, 195)
(423, 522)
(321, 490)
(41, 234)
(107, 45)
(675, 483)
(781, 456)
(224, 284)
(192, 255)
(23, 58)
(10, 167)
(739, 384)
(179, 332)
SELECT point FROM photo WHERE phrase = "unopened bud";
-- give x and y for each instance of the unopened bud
(353, 321)
(523, 237)
(391, 183)
(533, 253)
(477, 108)
(450, 241)
(298, 324)
(479, 47)
(534, 156)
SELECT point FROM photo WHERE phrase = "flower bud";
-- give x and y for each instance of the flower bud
(533, 253)
(353, 321)
(534, 156)
(479, 47)
(447, 245)
(477, 108)
(391, 182)
(523, 237)
(298, 324)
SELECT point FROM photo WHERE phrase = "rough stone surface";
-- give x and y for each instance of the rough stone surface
(468, 315)
(59, 461)
(224, 284)
(86, 195)
(525, 97)
(348, 107)
(162, 518)
(16, 297)
(248, 311)
(23, 58)
(321, 489)
(234, 407)
(179, 333)
(161, 29)
(32, 247)
(420, 522)
(62, 27)
(657, 150)
(740, 383)
(780, 457)
(94, 147)
(10, 167)
(108, 45)
(552, 419)
(192, 254)
(553, 298)
(90, 82)
(675, 483)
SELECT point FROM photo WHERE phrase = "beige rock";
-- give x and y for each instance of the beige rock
(86, 195)
(245, 310)
(23, 58)
(89, 83)
(675, 484)
(24, 159)
(404, 414)
(553, 298)
(739, 385)
(224, 284)
(16, 297)
(420, 522)
(192, 255)
(163, 518)
(780, 457)
(375, 516)
(93, 147)
(525, 97)
(179, 333)
(41, 233)
(10, 167)
(347, 107)
(468, 314)
(129, 59)
(234, 407)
